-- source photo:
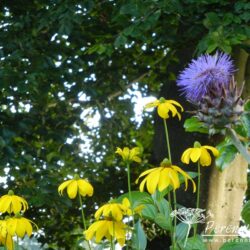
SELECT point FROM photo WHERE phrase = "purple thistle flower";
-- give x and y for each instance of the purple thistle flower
(205, 73)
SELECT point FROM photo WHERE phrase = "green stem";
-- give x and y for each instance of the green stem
(198, 193)
(129, 184)
(167, 140)
(198, 186)
(112, 241)
(170, 210)
(130, 198)
(83, 217)
(175, 218)
(189, 227)
(17, 244)
(174, 194)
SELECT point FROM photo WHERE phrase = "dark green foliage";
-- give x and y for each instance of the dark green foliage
(69, 60)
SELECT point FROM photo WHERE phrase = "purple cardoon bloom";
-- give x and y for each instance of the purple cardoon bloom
(205, 73)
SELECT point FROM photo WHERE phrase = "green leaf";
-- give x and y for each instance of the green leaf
(162, 221)
(139, 240)
(138, 198)
(237, 143)
(246, 213)
(194, 125)
(246, 119)
(236, 245)
(120, 41)
(211, 47)
(195, 243)
(149, 212)
(181, 231)
(227, 154)
(163, 207)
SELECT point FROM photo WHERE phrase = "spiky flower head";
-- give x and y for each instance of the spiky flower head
(222, 108)
(205, 73)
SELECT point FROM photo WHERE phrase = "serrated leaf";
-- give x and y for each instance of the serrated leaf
(194, 125)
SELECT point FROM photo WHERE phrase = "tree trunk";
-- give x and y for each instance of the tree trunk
(226, 194)
(227, 188)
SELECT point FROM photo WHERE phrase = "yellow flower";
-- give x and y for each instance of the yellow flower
(7, 242)
(165, 106)
(19, 226)
(5, 238)
(127, 205)
(12, 203)
(129, 154)
(76, 185)
(116, 211)
(107, 228)
(200, 153)
(164, 176)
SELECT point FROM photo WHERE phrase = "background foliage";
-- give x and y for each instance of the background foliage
(65, 62)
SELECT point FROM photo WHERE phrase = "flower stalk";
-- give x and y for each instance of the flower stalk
(173, 229)
(129, 191)
(83, 217)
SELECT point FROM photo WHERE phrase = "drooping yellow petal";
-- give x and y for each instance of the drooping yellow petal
(120, 234)
(195, 154)
(184, 174)
(205, 158)
(141, 187)
(214, 150)
(28, 227)
(144, 173)
(63, 186)
(11, 225)
(164, 180)
(72, 189)
(174, 178)
(117, 213)
(85, 188)
(172, 108)
(152, 104)
(5, 202)
(152, 180)
(20, 229)
(163, 110)
(176, 104)
(185, 158)
(9, 242)
(98, 213)
(89, 233)
(102, 231)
